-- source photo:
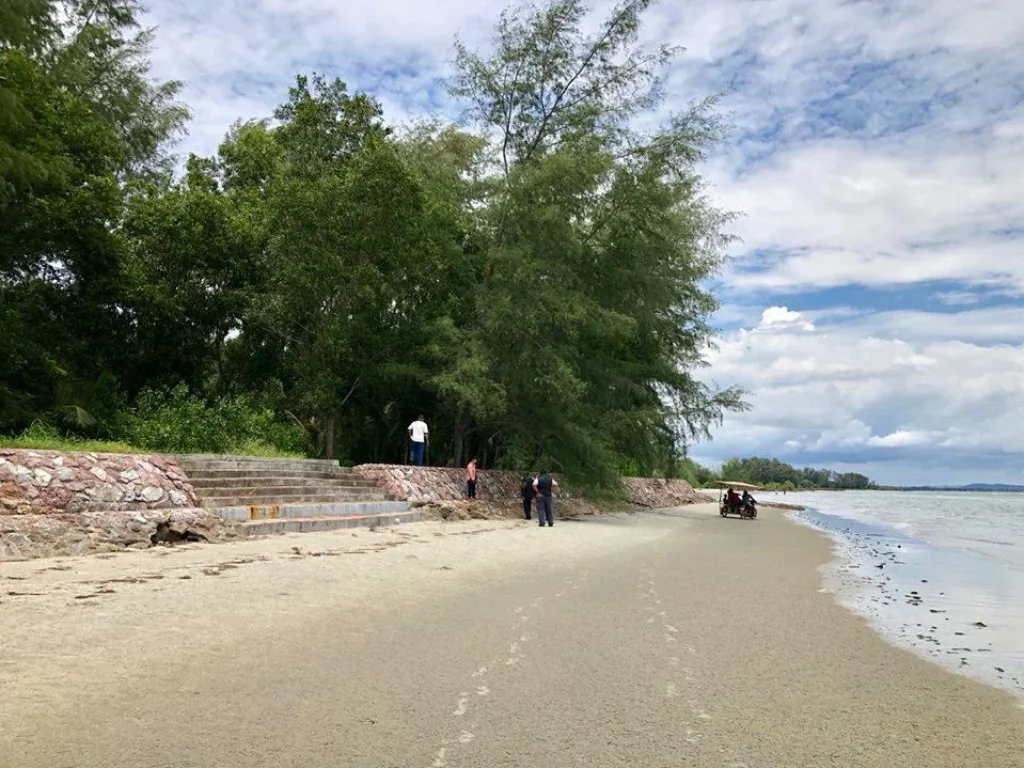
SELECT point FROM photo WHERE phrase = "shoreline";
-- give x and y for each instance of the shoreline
(920, 598)
(765, 657)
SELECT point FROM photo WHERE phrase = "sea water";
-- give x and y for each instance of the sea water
(940, 573)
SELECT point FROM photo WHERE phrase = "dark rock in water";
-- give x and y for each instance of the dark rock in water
(961, 634)
(924, 581)
(1000, 669)
(980, 624)
(935, 610)
(880, 565)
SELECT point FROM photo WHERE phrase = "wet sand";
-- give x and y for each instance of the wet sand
(661, 639)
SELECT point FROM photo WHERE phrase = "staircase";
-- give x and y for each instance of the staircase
(290, 495)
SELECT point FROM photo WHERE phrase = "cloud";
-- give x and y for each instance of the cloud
(901, 439)
(956, 298)
(874, 390)
(782, 317)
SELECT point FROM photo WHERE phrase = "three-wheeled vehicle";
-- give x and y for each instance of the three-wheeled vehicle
(736, 506)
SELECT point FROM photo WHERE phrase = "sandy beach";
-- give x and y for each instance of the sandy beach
(673, 638)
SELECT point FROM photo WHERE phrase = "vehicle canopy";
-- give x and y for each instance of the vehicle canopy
(738, 486)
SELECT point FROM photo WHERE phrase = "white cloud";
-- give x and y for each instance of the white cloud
(956, 298)
(874, 388)
(901, 439)
(783, 317)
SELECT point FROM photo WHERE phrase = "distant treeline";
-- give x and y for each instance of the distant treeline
(775, 474)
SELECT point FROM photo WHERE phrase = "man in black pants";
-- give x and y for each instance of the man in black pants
(527, 493)
(544, 486)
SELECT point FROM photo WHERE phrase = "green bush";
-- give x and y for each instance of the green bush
(176, 421)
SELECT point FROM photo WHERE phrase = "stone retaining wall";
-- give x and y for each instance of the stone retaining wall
(48, 482)
(434, 484)
(54, 503)
(24, 537)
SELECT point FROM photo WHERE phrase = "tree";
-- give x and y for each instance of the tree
(78, 116)
(589, 314)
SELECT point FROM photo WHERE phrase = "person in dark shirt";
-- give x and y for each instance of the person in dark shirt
(544, 486)
(528, 493)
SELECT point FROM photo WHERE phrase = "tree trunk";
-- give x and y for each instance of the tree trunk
(330, 437)
(459, 429)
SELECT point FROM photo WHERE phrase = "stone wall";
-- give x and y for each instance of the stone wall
(408, 483)
(25, 537)
(48, 482)
(70, 503)
(434, 484)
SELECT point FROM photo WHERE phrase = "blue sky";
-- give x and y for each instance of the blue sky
(874, 307)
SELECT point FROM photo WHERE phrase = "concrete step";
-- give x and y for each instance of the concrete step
(288, 492)
(207, 484)
(338, 473)
(216, 458)
(264, 468)
(306, 497)
(311, 524)
(311, 510)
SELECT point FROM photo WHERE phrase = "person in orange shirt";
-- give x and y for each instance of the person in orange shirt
(471, 479)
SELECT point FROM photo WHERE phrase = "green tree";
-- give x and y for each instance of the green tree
(589, 317)
(78, 116)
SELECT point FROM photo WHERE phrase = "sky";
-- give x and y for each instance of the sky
(873, 305)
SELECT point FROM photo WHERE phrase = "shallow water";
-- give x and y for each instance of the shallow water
(949, 561)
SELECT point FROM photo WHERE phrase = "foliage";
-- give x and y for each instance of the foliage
(79, 119)
(778, 474)
(175, 421)
(42, 437)
(534, 280)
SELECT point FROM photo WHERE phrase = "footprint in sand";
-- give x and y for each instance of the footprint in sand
(460, 708)
(480, 672)
(671, 691)
(483, 690)
(465, 737)
(439, 761)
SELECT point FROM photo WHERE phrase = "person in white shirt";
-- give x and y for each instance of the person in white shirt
(420, 437)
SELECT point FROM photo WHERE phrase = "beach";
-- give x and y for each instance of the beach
(671, 638)
(940, 573)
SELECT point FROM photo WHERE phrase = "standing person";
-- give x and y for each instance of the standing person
(527, 493)
(420, 437)
(544, 485)
(471, 479)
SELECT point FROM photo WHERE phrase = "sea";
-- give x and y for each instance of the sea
(939, 573)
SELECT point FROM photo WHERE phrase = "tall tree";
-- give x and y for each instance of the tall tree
(78, 116)
(590, 316)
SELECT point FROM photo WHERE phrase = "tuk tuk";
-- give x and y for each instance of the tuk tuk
(728, 507)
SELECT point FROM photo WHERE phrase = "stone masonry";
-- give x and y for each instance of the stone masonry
(48, 482)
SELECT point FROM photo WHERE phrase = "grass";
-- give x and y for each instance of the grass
(36, 443)
(69, 444)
